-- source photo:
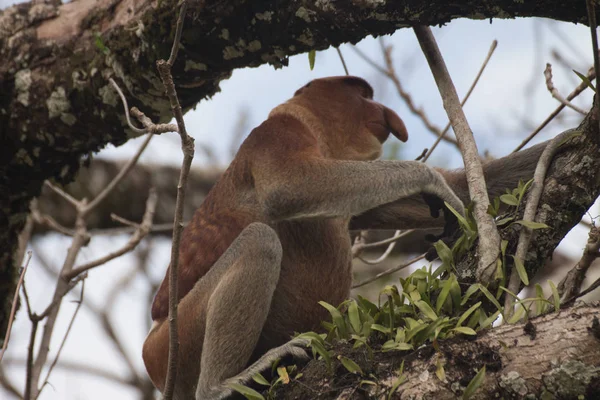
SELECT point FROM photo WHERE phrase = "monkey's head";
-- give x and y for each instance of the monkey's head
(354, 125)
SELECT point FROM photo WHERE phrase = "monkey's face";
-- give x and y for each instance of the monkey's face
(355, 126)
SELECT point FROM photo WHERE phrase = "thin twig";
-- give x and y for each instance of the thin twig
(70, 199)
(464, 101)
(187, 147)
(126, 107)
(150, 126)
(368, 60)
(117, 179)
(141, 232)
(13, 308)
(595, 285)
(391, 73)
(389, 271)
(62, 287)
(64, 340)
(397, 236)
(342, 60)
(489, 239)
(554, 91)
(591, 75)
(29, 369)
(570, 285)
(529, 213)
(385, 254)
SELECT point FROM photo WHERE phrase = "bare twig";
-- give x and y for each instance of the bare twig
(385, 254)
(368, 60)
(529, 213)
(13, 308)
(150, 126)
(141, 232)
(126, 107)
(464, 101)
(117, 179)
(389, 271)
(64, 340)
(46, 220)
(554, 92)
(488, 233)
(591, 75)
(570, 286)
(391, 73)
(70, 199)
(397, 236)
(187, 147)
(342, 60)
(595, 285)
(25, 235)
(29, 368)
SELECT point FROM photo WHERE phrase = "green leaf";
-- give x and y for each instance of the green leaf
(504, 221)
(413, 331)
(258, 378)
(459, 217)
(503, 246)
(467, 313)
(401, 379)
(532, 224)
(100, 44)
(520, 312)
(426, 309)
(444, 252)
(350, 365)
(248, 393)
(489, 320)
(470, 291)
(381, 328)
(337, 318)
(465, 330)
(555, 296)
(354, 317)
(312, 55)
(439, 370)
(585, 79)
(509, 199)
(474, 384)
(490, 297)
(540, 305)
(521, 270)
(444, 293)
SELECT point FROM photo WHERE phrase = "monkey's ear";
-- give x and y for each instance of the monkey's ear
(395, 124)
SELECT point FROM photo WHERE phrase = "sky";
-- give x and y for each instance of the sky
(509, 102)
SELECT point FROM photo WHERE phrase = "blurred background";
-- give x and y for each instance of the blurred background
(102, 356)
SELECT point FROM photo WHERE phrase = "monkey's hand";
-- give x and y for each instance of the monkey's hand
(451, 231)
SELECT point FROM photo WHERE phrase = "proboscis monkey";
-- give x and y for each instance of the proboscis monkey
(272, 237)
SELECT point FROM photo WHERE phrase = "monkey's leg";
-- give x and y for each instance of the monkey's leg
(237, 309)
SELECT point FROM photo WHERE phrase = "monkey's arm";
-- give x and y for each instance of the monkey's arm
(319, 187)
(412, 212)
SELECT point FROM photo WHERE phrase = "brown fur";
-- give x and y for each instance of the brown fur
(288, 196)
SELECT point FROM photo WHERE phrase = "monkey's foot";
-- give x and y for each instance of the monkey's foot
(295, 348)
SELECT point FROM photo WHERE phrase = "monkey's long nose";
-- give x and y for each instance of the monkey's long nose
(395, 124)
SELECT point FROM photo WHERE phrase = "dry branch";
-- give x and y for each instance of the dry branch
(488, 234)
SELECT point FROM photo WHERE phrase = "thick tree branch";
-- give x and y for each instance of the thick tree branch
(563, 345)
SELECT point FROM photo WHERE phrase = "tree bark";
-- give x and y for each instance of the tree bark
(556, 356)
